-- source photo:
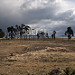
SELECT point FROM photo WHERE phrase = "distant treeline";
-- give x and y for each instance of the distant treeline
(25, 30)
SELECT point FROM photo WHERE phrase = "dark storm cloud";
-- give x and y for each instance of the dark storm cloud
(36, 10)
(40, 14)
(68, 17)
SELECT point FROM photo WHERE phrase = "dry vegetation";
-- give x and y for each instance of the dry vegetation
(20, 57)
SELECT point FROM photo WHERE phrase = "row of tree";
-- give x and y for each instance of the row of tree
(25, 30)
(18, 30)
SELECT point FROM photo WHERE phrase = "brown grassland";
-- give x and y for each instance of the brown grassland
(20, 57)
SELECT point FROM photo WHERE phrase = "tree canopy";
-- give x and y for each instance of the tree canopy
(2, 34)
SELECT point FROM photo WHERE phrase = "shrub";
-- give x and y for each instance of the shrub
(67, 71)
(56, 72)
(73, 72)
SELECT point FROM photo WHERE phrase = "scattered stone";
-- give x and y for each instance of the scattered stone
(11, 54)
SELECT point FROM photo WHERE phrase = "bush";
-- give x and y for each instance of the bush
(67, 71)
(56, 72)
(73, 72)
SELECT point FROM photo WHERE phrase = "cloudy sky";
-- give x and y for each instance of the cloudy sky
(48, 15)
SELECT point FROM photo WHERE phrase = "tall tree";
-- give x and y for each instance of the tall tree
(2, 34)
(69, 32)
(24, 29)
(16, 29)
(11, 30)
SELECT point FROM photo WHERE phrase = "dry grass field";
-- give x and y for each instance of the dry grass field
(36, 57)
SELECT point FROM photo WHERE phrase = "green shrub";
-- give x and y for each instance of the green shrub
(73, 72)
(67, 71)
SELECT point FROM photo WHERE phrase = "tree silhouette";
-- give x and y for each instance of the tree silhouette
(14, 31)
(40, 34)
(53, 35)
(2, 34)
(27, 28)
(47, 35)
(24, 29)
(17, 30)
(11, 30)
(69, 32)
